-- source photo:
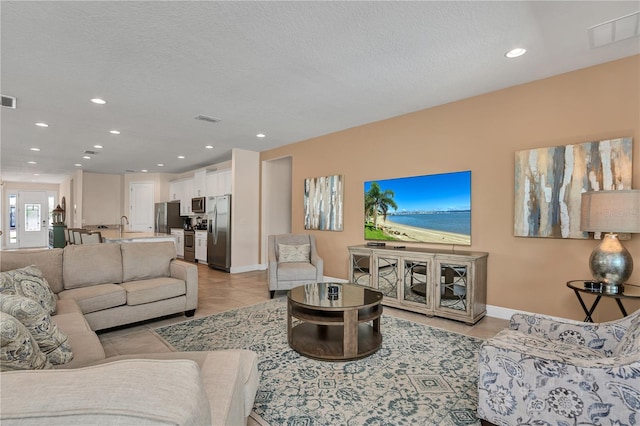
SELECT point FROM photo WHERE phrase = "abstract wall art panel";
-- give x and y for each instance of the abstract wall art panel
(323, 203)
(549, 183)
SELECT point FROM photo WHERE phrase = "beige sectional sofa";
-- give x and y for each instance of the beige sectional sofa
(115, 284)
(94, 291)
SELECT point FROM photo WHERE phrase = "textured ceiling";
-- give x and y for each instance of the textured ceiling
(292, 70)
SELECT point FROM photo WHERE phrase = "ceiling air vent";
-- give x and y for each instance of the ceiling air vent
(8, 101)
(91, 152)
(207, 118)
(615, 30)
(130, 171)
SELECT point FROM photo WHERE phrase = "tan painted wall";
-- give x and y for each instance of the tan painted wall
(102, 198)
(481, 134)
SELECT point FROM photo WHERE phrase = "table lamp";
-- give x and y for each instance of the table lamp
(611, 212)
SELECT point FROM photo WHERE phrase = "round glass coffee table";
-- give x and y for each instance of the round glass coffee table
(333, 321)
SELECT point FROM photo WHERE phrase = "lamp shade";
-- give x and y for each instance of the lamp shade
(611, 211)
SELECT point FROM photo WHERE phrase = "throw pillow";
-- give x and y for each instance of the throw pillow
(288, 253)
(51, 341)
(29, 282)
(18, 350)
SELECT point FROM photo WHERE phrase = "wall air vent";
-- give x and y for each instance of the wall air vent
(9, 101)
(207, 118)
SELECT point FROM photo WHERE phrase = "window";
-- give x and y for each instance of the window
(32, 217)
(13, 232)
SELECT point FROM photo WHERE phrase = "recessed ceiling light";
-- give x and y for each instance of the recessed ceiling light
(114, 132)
(41, 124)
(180, 156)
(160, 165)
(261, 135)
(34, 149)
(36, 174)
(98, 101)
(32, 162)
(144, 170)
(86, 157)
(514, 53)
(209, 146)
(98, 146)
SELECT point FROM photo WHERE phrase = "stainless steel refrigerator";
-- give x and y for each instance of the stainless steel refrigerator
(219, 232)
(167, 216)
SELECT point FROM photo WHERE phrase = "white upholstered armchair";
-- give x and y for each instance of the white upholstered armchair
(546, 371)
(293, 261)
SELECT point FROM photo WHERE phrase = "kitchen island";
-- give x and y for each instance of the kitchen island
(115, 236)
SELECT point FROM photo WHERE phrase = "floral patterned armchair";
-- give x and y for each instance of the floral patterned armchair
(547, 371)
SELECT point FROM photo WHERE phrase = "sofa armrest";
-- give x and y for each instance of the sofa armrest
(187, 272)
(122, 392)
(603, 337)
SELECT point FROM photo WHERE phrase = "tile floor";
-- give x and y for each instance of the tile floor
(220, 291)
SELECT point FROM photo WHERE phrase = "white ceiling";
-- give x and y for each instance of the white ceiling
(292, 70)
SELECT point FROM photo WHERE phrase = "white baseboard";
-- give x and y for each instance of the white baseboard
(333, 280)
(246, 268)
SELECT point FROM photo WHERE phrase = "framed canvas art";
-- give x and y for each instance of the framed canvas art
(549, 183)
(323, 203)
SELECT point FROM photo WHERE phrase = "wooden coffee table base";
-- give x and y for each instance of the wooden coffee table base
(334, 335)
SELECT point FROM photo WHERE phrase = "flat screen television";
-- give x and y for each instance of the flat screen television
(419, 209)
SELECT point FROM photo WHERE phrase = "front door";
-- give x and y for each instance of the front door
(33, 219)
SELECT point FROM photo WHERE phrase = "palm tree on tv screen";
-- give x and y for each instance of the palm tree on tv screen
(378, 202)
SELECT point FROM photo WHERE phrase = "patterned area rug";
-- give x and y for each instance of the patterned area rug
(420, 376)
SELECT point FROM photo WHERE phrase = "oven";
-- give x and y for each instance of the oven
(190, 245)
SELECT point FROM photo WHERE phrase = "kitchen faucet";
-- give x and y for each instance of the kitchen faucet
(121, 224)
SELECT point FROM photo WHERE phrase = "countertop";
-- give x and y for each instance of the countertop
(115, 235)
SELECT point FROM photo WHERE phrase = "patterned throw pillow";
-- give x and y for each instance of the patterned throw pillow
(29, 282)
(288, 253)
(51, 341)
(18, 350)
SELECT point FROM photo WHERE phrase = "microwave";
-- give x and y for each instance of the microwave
(198, 205)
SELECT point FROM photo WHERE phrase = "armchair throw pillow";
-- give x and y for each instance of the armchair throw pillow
(289, 253)
(29, 282)
(18, 350)
(51, 341)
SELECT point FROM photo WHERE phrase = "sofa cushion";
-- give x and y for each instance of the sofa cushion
(147, 291)
(64, 306)
(90, 264)
(96, 297)
(51, 341)
(145, 392)
(49, 261)
(141, 261)
(18, 350)
(293, 253)
(630, 342)
(296, 272)
(29, 282)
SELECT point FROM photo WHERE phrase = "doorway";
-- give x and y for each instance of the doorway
(141, 207)
(276, 200)
(29, 213)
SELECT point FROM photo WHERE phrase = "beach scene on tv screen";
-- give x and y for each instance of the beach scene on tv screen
(423, 209)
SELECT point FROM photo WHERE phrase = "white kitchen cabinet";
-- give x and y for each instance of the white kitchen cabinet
(179, 236)
(186, 194)
(182, 190)
(200, 183)
(174, 191)
(219, 183)
(201, 246)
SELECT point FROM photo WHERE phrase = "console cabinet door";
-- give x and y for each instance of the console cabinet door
(387, 276)
(417, 274)
(360, 267)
